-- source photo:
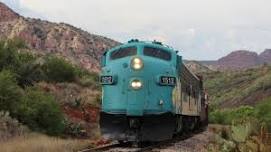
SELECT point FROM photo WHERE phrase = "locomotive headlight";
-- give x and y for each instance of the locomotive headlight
(136, 84)
(136, 63)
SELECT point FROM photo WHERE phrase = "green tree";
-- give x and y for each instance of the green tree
(40, 112)
(263, 112)
(10, 92)
(17, 43)
(8, 56)
(59, 70)
(28, 73)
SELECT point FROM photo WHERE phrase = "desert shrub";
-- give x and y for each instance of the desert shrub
(80, 72)
(90, 81)
(10, 92)
(229, 116)
(98, 99)
(86, 78)
(40, 112)
(87, 81)
(30, 70)
(16, 42)
(29, 73)
(244, 136)
(216, 117)
(263, 112)
(73, 129)
(59, 70)
(21, 63)
(26, 57)
(241, 132)
(239, 114)
(10, 127)
(8, 56)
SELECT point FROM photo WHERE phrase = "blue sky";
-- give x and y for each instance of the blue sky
(201, 29)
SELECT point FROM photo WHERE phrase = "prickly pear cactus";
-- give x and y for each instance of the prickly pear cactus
(241, 132)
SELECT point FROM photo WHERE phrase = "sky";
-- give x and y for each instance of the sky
(200, 29)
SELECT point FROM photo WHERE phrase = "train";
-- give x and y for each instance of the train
(148, 94)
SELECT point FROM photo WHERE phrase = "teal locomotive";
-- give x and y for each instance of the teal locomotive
(148, 94)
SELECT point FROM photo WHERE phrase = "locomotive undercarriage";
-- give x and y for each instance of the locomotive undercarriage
(146, 128)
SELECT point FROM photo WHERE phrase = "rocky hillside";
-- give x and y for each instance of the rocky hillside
(61, 39)
(6, 14)
(229, 89)
(240, 59)
(197, 67)
(233, 88)
(266, 56)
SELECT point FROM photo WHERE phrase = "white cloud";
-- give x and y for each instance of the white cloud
(18, 6)
(202, 29)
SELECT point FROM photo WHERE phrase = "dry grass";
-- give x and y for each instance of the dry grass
(42, 143)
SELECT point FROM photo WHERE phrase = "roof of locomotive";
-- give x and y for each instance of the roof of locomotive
(155, 44)
(135, 42)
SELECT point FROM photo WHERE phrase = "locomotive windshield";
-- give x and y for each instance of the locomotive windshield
(157, 53)
(123, 52)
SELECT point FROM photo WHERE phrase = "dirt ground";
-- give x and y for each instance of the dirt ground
(196, 143)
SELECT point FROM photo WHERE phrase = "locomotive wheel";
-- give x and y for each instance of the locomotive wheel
(189, 123)
(197, 123)
(192, 125)
(185, 124)
(179, 125)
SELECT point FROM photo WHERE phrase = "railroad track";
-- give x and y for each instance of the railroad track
(102, 148)
(128, 147)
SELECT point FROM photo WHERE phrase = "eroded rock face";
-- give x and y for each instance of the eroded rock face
(196, 67)
(64, 40)
(6, 14)
(238, 60)
(266, 56)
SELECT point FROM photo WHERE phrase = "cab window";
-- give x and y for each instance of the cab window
(123, 52)
(157, 53)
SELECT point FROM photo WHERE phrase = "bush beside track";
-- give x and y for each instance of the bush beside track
(21, 94)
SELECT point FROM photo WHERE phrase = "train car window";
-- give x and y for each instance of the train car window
(103, 59)
(123, 52)
(157, 53)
